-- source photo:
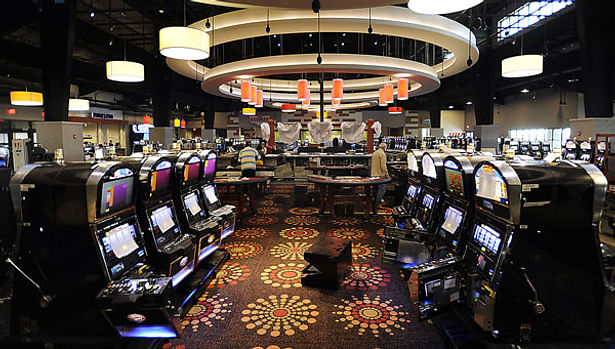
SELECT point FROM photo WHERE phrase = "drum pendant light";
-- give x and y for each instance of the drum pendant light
(302, 89)
(248, 111)
(388, 93)
(76, 104)
(246, 90)
(183, 124)
(259, 99)
(176, 122)
(147, 120)
(402, 89)
(440, 7)
(184, 43)
(381, 101)
(395, 110)
(307, 101)
(253, 95)
(288, 108)
(336, 102)
(522, 66)
(338, 89)
(125, 71)
(26, 98)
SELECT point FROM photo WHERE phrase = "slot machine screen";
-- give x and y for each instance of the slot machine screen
(412, 189)
(163, 223)
(209, 168)
(454, 179)
(428, 201)
(491, 185)
(116, 195)
(160, 178)
(191, 169)
(452, 220)
(487, 238)
(193, 207)
(211, 197)
(4, 157)
(122, 247)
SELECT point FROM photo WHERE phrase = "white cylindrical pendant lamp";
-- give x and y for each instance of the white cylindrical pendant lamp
(184, 43)
(522, 66)
(125, 71)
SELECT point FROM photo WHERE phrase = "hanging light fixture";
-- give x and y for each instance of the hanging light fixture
(183, 124)
(395, 110)
(338, 89)
(381, 100)
(440, 7)
(77, 104)
(177, 122)
(403, 85)
(248, 111)
(253, 95)
(259, 99)
(26, 98)
(289, 108)
(184, 43)
(147, 120)
(125, 71)
(246, 89)
(388, 93)
(307, 101)
(302, 89)
(522, 66)
(336, 102)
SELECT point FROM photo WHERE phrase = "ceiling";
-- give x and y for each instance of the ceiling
(112, 29)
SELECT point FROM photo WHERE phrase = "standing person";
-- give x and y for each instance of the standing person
(247, 159)
(379, 169)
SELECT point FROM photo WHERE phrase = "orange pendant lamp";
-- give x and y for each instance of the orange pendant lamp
(388, 93)
(253, 95)
(307, 101)
(381, 100)
(147, 120)
(259, 99)
(246, 89)
(336, 102)
(289, 108)
(302, 89)
(403, 85)
(338, 89)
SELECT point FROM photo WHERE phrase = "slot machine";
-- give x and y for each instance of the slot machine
(514, 145)
(524, 148)
(546, 148)
(536, 150)
(172, 250)
(586, 150)
(77, 234)
(226, 213)
(520, 283)
(571, 150)
(401, 213)
(191, 208)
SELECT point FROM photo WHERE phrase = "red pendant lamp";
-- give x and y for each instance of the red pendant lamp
(395, 110)
(302, 89)
(388, 93)
(253, 95)
(381, 100)
(403, 85)
(146, 120)
(259, 99)
(338, 89)
(307, 101)
(246, 89)
(289, 108)
(183, 124)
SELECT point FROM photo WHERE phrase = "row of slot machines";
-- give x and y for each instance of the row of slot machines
(536, 149)
(131, 243)
(509, 248)
(584, 150)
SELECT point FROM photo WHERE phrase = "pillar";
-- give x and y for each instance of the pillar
(435, 108)
(370, 136)
(482, 96)
(57, 41)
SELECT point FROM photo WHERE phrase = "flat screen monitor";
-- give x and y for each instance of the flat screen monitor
(209, 168)
(491, 185)
(487, 238)
(211, 197)
(4, 157)
(193, 207)
(116, 195)
(164, 224)
(452, 220)
(428, 201)
(412, 190)
(122, 247)
(160, 178)
(192, 169)
(454, 181)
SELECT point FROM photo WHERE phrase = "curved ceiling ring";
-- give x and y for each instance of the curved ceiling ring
(325, 5)
(291, 85)
(216, 80)
(388, 20)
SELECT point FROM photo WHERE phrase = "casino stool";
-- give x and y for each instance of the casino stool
(328, 260)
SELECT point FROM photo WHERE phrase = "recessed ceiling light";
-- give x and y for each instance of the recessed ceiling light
(469, 103)
(450, 107)
(92, 14)
(161, 11)
(525, 90)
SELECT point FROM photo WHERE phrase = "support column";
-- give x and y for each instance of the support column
(370, 136)
(483, 88)
(271, 132)
(435, 108)
(594, 20)
(57, 41)
(161, 85)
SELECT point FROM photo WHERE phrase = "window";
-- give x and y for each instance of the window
(529, 14)
(557, 137)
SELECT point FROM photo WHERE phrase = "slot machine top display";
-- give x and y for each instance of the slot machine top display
(209, 159)
(187, 169)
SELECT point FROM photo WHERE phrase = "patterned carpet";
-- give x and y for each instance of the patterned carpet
(257, 300)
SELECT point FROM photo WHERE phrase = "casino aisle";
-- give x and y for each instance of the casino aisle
(257, 300)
